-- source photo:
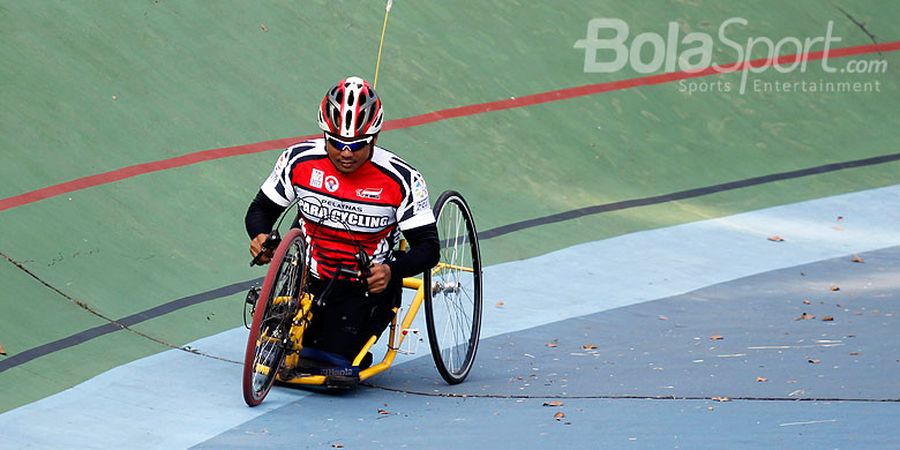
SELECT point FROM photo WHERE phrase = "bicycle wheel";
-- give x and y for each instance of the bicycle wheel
(453, 290)
(279, 297)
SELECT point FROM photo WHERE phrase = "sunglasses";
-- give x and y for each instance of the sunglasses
(353, 146)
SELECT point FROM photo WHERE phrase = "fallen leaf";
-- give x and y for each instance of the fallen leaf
(499, 304)
(805, 316)
(663, 318)
(263, 27)
(589, 347)
(2, 351)
(776, 238)
(827, 319)
(559, 415)
(383, 411)
(814, 361)
(553, 403)
(805, 301)
(552, 344)
(857, 259)
(835, 287)
(761, 379)
(716, 337)
(721, 399)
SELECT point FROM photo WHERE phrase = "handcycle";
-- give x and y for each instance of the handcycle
(451, 293)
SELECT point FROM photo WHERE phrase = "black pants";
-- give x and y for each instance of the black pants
(346, 317)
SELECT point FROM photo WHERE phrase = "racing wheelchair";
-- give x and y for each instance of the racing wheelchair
(451, 292)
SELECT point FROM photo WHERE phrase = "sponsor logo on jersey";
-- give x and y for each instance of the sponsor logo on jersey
(315, 180)
(420, 205)
(420, 192)
(331, 183)
(370, 193)
(347, 218)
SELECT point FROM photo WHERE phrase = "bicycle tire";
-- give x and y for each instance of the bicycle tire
(453, 295)
(285, 279)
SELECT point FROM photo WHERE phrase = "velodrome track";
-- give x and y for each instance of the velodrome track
(620, 213)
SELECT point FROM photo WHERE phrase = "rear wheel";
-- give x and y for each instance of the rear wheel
(278, 301)
(453, 290)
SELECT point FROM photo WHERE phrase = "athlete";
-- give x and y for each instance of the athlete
(353, 197)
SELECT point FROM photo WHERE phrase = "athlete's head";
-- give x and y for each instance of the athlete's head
(351, 117)
(351, 109)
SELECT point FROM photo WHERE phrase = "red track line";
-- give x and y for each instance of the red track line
(435, 116)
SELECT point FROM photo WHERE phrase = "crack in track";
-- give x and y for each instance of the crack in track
(861, 26)
(719, 399)
(85, 306)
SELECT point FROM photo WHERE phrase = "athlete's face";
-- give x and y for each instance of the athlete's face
(350, 156)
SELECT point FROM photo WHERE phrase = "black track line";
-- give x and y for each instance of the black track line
(83, 336)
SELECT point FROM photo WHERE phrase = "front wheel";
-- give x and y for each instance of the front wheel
(453, 290)
(278, 301)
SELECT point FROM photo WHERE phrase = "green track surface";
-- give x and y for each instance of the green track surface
(190, 76)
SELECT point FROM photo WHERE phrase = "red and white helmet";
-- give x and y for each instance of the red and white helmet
(351, 109)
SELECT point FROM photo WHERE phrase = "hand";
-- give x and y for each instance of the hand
(256, 247)
(379, 277)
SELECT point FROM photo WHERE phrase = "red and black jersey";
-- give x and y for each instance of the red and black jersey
(341, 212)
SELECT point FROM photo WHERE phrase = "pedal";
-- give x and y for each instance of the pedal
(253, 295)
(411, 341)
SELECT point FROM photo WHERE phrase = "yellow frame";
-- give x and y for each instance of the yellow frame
(408, 283)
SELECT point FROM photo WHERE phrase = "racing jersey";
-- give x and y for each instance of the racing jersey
(340, 213)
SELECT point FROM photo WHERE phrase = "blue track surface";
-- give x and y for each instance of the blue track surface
(650, 305)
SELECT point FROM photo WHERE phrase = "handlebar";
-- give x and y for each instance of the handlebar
(271, 243)
(363, 261)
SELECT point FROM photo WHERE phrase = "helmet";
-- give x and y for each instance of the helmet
(351, 109)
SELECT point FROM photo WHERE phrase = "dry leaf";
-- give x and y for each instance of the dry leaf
(499, 304)
(553, 403)
(716, 337)
(553, 344)
(805, 301)
(776, 238)
(383, 411)
(805, 316)
(721, 399)
(761, 379)
(857, 259)
(827, 319)
(663, 318)
(814, 361)
(2, 351)
(559, 415)
(835, 287)
(589, 347)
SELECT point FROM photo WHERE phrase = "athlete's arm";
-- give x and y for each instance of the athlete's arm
(423, 254)
(261, 215)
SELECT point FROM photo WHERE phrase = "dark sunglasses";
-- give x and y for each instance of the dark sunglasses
(354, 145)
